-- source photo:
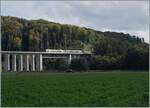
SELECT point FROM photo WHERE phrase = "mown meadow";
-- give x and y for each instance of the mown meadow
(114, 88)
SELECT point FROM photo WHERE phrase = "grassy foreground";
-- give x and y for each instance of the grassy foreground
(75, 89)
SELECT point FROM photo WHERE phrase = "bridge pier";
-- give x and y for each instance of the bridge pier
(7, 62)
(26, 60)
(39, 62)
(70, 58)
(14, 62)
(20, 62)
(32, 62)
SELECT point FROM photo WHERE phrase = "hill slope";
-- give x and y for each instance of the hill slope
(37, 35)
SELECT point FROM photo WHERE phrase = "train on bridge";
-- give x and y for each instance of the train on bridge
(64, 51)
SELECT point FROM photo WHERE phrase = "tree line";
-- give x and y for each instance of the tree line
(111, 50)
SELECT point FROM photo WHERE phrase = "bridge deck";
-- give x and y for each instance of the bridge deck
(54, 57)
(31, 52)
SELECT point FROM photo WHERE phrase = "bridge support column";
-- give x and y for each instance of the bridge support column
(14, 64)
(7, 62)
(33, 62)
(70, 58)
(39, 62)
(21, 62)
(26, 62)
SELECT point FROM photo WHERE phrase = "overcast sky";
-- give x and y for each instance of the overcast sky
(121, 16)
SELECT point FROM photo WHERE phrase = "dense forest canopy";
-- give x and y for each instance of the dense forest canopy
(37, 35)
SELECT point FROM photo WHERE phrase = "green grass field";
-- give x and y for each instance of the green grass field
(75, 89)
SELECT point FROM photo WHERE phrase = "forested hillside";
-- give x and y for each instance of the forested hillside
(38, 35)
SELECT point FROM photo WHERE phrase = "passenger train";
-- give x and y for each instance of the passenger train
(64, 51)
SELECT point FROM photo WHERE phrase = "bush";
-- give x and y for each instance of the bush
(137, 58)
(104, 62)
(49, 64)
(79, 64)
(53, 64)
(61, 64)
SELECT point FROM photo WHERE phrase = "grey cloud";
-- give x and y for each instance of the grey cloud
(114, 17)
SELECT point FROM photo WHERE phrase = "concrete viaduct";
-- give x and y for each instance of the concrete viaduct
(33, 61)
